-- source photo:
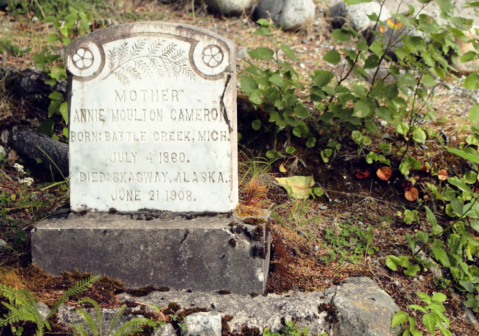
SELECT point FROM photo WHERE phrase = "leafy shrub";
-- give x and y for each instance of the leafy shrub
(433, 317)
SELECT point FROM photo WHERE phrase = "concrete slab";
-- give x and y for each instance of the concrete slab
(196, 252)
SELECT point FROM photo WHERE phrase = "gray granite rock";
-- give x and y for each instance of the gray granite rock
(228, 7)
(43, 309)
(253, 311)
(364, 309)
(357, 15)
(165, 330)
(203, 324)
(288, 14)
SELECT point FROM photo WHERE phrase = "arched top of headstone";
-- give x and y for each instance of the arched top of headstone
(150, 49)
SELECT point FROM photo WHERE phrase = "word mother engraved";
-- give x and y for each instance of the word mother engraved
(152, 120)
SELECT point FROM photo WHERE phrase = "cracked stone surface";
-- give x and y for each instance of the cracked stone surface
(362, 309)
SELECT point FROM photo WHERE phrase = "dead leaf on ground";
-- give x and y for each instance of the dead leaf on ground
(412, 194)
(362, 175)
(442, 176)
(384, 173)
(297, 186)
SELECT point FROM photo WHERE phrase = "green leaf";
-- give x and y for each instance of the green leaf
(263, 22)
(422, 236)
(428, 80)
(255, 97)
(424, 297)
(412, 270)
(290, 150)
(52, 38)
(399, 318)
(58, 72)
(439, 297)
(464, 155)
(248, 84)
(430, 321)
(419, 135)
(377, 47)
(263, 31)
(311, 142)
(469, 56)
(446, 6)
(301, 111)
(288, 51)
(402, 128)
(371, 62)
(392, 262)
(474, 114)
(361, 109)
(46, 127)
(332, 57)
(51, 81)
(408, 79)
(440, 256)
(318, 192)
(254, 70)
(417, 307)
(64, 111)
(55, 95)
(322, 78)
(470, 177)
(277, 80)
(256, 125)
(341, 35)
(385, 148)
(472, 82)
(261, 53)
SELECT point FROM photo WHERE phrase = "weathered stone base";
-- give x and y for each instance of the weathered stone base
(205, 253)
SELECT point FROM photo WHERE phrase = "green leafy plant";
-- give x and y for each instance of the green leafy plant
(22, 305)
(76, 24)
(342, 112)
(410, 216)
(352, 243)
(96, 326)
(432, 319)
(275, 89)
(401, 265)
(290, 329)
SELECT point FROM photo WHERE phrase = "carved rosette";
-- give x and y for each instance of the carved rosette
(86, 60)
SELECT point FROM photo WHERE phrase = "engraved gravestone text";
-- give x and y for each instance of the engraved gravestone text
(149, 131)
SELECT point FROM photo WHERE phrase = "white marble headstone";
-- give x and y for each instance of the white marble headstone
(153, 119)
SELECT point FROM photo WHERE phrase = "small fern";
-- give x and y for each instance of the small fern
(23, 307)
(96, 329)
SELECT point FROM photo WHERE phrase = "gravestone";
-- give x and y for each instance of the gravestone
(153, 164)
